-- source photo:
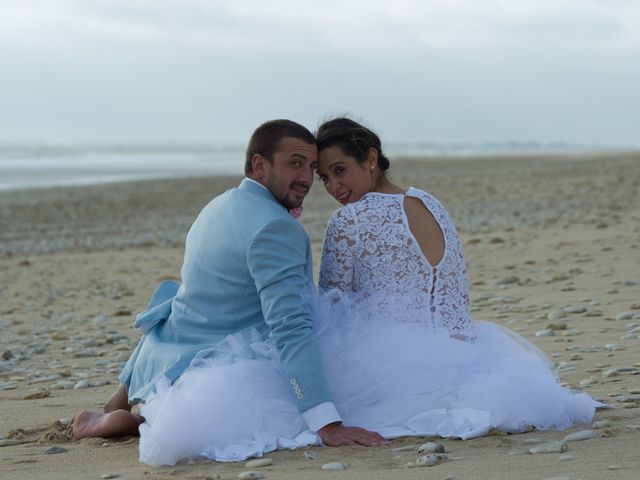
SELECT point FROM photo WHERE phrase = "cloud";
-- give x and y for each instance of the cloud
(335, 24)
(212, 69)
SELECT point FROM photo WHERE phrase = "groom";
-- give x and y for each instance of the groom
(247, 264)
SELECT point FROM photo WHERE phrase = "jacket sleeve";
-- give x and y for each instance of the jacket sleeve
(277, 260)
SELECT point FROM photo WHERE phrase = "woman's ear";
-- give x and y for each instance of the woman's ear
(372, 158)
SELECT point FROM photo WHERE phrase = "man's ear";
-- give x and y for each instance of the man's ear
(257, 164)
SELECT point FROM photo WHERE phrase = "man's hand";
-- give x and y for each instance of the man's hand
(335, 435)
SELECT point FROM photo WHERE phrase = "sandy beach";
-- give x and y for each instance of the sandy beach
(553, 249)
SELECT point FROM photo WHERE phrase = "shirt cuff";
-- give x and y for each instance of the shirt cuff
(320, 415)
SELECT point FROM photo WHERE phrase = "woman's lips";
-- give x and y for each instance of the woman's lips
(343, 197)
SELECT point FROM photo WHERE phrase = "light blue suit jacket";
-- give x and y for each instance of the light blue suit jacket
(247, 264)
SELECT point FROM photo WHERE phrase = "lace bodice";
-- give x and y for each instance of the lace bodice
(369, 252)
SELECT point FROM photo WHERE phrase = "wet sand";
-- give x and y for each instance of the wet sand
(553, 249)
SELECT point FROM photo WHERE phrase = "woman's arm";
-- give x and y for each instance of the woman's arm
(339, 252)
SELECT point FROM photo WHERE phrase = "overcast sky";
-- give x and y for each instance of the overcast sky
(414, 70)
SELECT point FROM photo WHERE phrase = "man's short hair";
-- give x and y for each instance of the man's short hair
(267, 136)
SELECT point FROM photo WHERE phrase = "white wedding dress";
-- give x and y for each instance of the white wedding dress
(401, 356)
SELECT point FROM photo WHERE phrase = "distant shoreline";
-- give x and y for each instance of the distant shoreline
(16, 179)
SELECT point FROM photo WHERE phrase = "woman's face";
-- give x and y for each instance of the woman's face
(343, 177)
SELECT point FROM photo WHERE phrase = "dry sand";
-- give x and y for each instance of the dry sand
(550, 242)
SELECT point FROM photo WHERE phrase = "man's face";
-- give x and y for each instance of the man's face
(290, 173)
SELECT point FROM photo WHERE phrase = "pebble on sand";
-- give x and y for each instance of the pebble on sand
(581, 435)
(311, 455)
(509, 280)
(556, 314)
(574, 309)
(572, 332)
(428, 447)
(557, 326)
(334, 466)
(259, 462)
(601, 424)
(545, 333)
(551, 447)
(54, 450)
(37, 395)
(431, 460)
(251, 475)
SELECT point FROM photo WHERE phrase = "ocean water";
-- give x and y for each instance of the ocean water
(37, 166)
(28, 166)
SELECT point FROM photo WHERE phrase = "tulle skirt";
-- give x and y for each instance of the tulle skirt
(395, 378)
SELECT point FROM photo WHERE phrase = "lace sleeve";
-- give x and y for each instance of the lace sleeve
(338, 253)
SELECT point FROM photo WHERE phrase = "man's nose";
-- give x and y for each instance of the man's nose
(306, 175)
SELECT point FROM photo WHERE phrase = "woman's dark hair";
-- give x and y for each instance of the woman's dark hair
(353, 139)
(266, 138)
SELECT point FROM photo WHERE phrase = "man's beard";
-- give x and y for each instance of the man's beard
(287, 200)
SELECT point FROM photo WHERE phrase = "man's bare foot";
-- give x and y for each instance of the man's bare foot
(114, 424)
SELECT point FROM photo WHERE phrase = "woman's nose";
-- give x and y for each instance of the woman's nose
(332, 186)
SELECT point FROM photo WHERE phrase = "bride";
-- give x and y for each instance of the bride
(407, 358)
(401, 355)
